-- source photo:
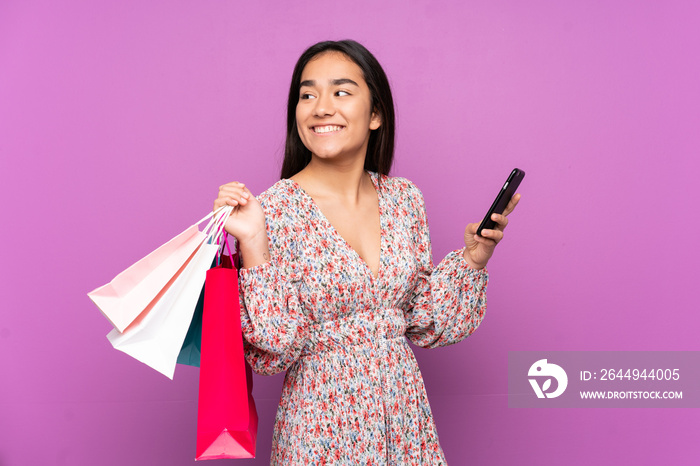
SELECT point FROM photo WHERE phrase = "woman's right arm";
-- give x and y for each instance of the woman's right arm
(273, 322)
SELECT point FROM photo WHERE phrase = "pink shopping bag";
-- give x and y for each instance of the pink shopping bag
(132, 293)
(227, 421)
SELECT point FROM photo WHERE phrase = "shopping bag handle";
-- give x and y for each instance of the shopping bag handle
(224, 244)
(214, 217)
(212, 213)
(215, 227)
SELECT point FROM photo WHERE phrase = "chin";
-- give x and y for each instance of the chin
(326, 153)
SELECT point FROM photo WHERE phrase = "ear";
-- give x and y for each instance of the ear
(375, 120)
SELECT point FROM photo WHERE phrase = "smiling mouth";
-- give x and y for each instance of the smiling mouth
(326, 129)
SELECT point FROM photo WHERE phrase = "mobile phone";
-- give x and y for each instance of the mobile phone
(502, 200)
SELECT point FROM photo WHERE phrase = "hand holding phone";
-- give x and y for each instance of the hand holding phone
(502, 199)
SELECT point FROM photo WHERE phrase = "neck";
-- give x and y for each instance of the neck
(322, 179)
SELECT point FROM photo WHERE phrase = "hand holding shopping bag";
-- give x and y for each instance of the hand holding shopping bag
(157, 338)
(227, 421)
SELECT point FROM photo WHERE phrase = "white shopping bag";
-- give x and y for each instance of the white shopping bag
(156, 339)
(129, 296)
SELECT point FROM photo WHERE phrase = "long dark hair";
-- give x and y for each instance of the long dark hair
(380, 150)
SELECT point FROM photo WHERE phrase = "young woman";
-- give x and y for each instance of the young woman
(338, 274)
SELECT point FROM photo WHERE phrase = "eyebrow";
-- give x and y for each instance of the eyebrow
(333, 82)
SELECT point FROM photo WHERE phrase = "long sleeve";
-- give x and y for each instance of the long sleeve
(448, 301)
(273, 321)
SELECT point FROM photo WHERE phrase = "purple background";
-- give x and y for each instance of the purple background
(119, 120)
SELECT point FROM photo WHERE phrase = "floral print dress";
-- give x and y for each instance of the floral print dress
(353, 393)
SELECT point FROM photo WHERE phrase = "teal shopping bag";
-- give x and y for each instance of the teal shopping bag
(191, 350)
(192, 346)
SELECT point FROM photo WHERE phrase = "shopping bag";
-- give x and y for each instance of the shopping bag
(192, 346)
(157, 338)
(227, 421)
(132, 293)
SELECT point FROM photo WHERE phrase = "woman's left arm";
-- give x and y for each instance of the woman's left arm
(449, 301)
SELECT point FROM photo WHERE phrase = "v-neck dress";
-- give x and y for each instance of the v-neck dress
(353, 393)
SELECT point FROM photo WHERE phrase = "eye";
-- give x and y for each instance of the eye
(342, 93)
(306, 96)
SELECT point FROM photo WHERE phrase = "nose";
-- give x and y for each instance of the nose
(324, 105)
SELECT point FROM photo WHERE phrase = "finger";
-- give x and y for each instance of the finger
(222, 201)
(242, 199)
(238, 200)
(233, 194)
(511, 205)
(231, 190)
(483, 240)
(232, 184)
(245, 196)
(495, 235)
(231, 187)
(471, 228)
(227, 200)
(501, 220)
(236, 194)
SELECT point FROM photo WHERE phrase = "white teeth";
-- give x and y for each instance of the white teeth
(326, 129)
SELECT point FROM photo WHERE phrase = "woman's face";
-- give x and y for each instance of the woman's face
(334, 112)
